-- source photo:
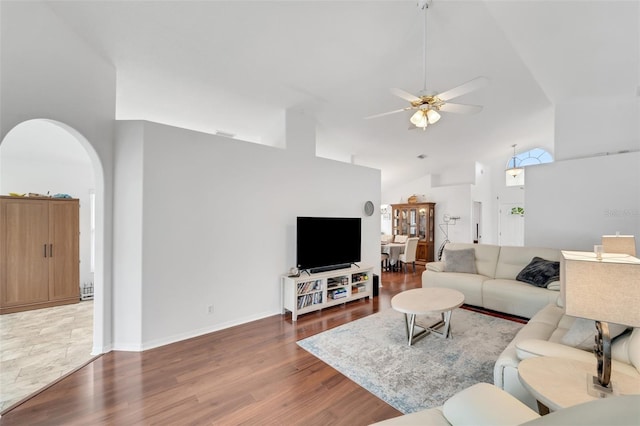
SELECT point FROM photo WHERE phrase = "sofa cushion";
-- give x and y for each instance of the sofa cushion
(540, 272)
(468, 284)
(486, 256)
(484, 404)
(582, 333)
(463, 260)
(516, 298)
(513, 259)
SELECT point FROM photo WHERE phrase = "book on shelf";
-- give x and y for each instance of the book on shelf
(309, 286)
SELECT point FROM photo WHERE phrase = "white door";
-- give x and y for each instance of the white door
(510, 226)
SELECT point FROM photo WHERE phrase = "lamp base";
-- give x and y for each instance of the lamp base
(594, 388)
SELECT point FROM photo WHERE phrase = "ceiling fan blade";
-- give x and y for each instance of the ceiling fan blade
(405, 95)
(387, 113)
(469, 86)
(461, 108)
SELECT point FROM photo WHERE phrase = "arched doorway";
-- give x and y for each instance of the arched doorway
(45, 156)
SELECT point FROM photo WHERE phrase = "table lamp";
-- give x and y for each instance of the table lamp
(619, 244)
(606, 290)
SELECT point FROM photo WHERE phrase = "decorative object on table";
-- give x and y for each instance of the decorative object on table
(368, 208)
(413, 199)
(16, 194)
(605, 290)
(62, 196)
(427, 104)
(619, 244)
(294, 272)
(597, 249)
(373, 352)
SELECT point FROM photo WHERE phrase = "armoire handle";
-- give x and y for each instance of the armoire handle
(50, 250)
(45, 250)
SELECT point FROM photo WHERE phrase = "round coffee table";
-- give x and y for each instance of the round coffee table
(423, 301)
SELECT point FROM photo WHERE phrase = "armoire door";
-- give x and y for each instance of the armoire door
(64, 267)
(24, 234)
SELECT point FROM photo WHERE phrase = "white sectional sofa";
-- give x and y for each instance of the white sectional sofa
(485, 405)
(552, 333)
(494, 286)
(549, 332)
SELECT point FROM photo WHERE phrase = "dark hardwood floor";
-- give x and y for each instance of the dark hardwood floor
(249, 374)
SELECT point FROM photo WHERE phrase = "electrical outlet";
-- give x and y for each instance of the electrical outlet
(210, 309)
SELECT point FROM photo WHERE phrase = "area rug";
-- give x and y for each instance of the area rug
(373, 352)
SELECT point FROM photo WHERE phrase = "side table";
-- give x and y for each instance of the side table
(559, 382)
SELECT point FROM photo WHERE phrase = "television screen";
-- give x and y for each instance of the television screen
(325, 243)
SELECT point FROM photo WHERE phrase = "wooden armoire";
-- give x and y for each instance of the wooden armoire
(416, 220)
(39, 253)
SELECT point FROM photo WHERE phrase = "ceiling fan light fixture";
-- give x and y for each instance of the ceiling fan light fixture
(433, 116)
(419, 119)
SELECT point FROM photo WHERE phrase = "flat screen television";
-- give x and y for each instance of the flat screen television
(326, 243)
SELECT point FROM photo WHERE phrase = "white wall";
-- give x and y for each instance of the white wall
(572, 203)
(46, 71)
(218, 225)
(127, 240)
(614, 127)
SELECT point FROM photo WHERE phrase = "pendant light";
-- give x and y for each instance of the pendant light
(514, 170)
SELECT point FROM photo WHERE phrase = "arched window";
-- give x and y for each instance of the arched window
(532, 157)
(528, 158)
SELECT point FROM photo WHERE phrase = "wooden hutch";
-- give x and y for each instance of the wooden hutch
(416, 220)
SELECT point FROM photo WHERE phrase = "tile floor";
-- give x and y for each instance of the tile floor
(39, 346)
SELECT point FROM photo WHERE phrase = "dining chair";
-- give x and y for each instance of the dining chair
(384, 261)
(400, 239)
(409, 255)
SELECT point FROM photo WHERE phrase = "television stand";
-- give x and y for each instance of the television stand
(320, 290)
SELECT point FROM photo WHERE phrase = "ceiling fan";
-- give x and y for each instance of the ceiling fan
(427, 105)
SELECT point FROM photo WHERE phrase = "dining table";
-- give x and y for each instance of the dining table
(394, 250)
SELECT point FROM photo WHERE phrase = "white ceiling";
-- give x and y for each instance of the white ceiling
(236, 66)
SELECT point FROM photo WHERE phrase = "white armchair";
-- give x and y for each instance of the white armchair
(483, 404)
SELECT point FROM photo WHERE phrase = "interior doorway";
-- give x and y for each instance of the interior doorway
(476, 222)
(47, 157)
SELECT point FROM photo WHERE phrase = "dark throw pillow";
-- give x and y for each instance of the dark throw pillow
(540, 272)
(463, 260)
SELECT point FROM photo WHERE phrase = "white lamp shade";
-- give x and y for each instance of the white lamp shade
(619, 244)
(602, 290)
(433, 116)
(419, 119)
(514, 171)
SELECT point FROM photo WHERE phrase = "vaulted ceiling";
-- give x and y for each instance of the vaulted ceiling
(236, 66)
